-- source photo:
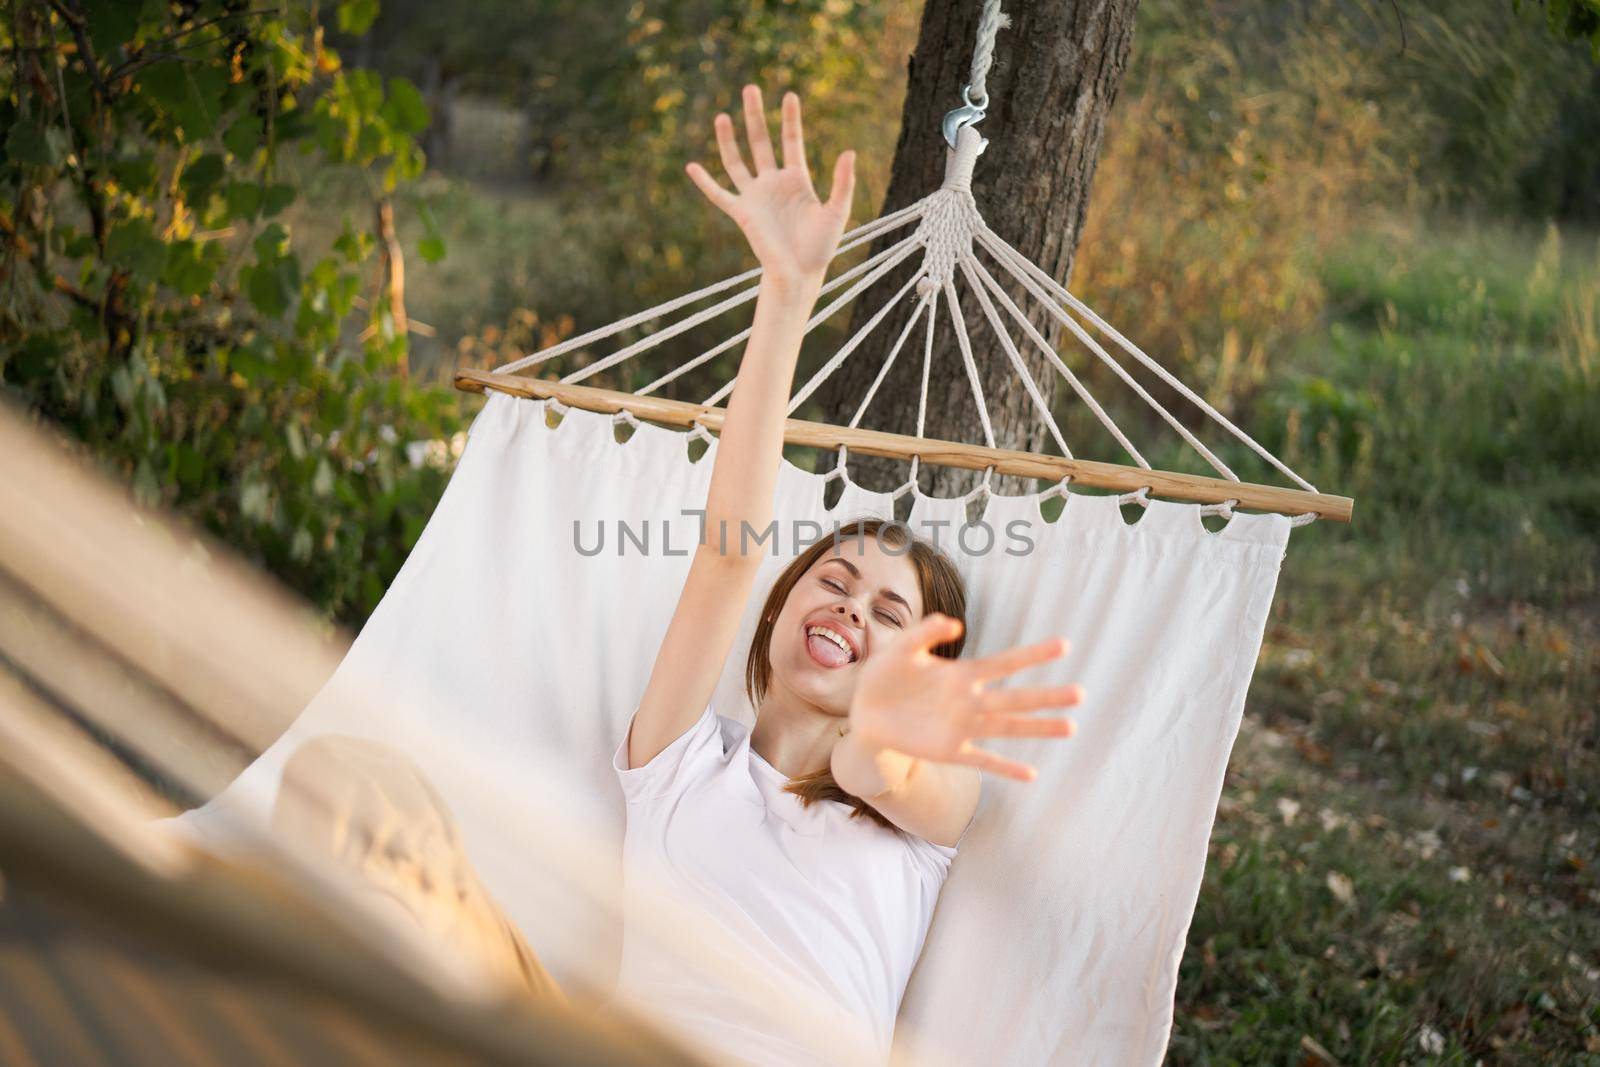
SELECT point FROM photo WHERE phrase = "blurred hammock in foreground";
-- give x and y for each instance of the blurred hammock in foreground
(131, 652)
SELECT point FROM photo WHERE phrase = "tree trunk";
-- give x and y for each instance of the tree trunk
(1056, 73)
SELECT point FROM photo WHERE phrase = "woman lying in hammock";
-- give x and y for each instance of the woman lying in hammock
(820, 837)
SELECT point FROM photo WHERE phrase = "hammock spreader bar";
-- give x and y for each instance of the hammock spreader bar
(1113, 476)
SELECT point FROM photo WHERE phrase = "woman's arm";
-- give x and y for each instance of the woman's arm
(794, 237)
(915, 716)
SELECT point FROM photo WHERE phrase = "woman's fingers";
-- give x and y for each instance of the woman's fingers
(1019, 657)
(844, 183)
(934, 628)
(985, 760)
(755, 126)
(794, 141)
(1028, 698)
(1023, 726)
(708, 185)
(728, 146)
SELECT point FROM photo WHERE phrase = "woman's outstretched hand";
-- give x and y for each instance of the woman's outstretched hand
(792, 233)
(911, 701)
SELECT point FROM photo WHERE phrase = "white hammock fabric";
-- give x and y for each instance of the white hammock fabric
(1058, 935)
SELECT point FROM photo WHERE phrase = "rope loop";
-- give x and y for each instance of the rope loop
(553, 404)
(1305, 519)
(910, 484)
(839, 468)
(699, 430)
(1224, 509)
(983, 487)
(624, 415)
(1059, 489)
(1140, 496)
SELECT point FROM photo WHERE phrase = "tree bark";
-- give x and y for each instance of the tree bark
(1057, 70)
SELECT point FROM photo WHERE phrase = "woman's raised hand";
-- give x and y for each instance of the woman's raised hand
(792, 233)
(912, 701)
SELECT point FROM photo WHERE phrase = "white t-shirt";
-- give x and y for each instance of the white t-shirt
(838, 904)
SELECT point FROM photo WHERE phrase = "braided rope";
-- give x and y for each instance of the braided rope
(965, 344)
(905, 247)
(854, 239)
(990, 23)
(683, 368)
(927, 360)
(1094, 346)
(883, 371)
(1022, 264)
(848, 347)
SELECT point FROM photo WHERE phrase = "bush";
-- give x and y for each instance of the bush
(153, 304)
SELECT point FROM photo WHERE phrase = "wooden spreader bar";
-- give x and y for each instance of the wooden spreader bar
(1113, 476)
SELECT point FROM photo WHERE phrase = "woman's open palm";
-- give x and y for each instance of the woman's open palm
(792, 233)
(920, 704)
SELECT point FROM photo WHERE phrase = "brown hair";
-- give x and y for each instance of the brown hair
(942, 591)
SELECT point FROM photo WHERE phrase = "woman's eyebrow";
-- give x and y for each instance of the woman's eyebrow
(888, 594)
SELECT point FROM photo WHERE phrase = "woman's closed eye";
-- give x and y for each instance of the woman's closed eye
(883, 613)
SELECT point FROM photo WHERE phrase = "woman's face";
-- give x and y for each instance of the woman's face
(853, 599)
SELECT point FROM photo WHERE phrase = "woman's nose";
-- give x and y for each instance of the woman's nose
(846, 610)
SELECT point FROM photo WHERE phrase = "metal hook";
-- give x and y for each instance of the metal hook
(968, 114)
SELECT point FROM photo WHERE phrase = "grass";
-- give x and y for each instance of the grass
(1402, 866)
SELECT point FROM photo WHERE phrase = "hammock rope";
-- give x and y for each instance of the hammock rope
(949, 235)
(990, 23)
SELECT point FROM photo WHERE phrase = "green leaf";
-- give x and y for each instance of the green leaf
(356, 16)
(366, 92)
(79, 245)
(354, 245)
(189, 269)
(300, 546)
(111, 23)
(35, 360)
(133, 246)
(272, 242)
(432, 245)
(122, 386)
(407, 111)
(190, 467)
(201, 177)
(266, 290)
(146, 488)
(189, 92)
(255, 501)
(243, 136)
(244, 200)
(164, 84)
(322, 482)
(135, 173)
(278, 196)
(36, 145)
(371, 142)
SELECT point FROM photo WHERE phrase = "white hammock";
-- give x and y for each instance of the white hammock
(1058, 935)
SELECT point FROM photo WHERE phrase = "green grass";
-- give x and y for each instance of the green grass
(1402, 869)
